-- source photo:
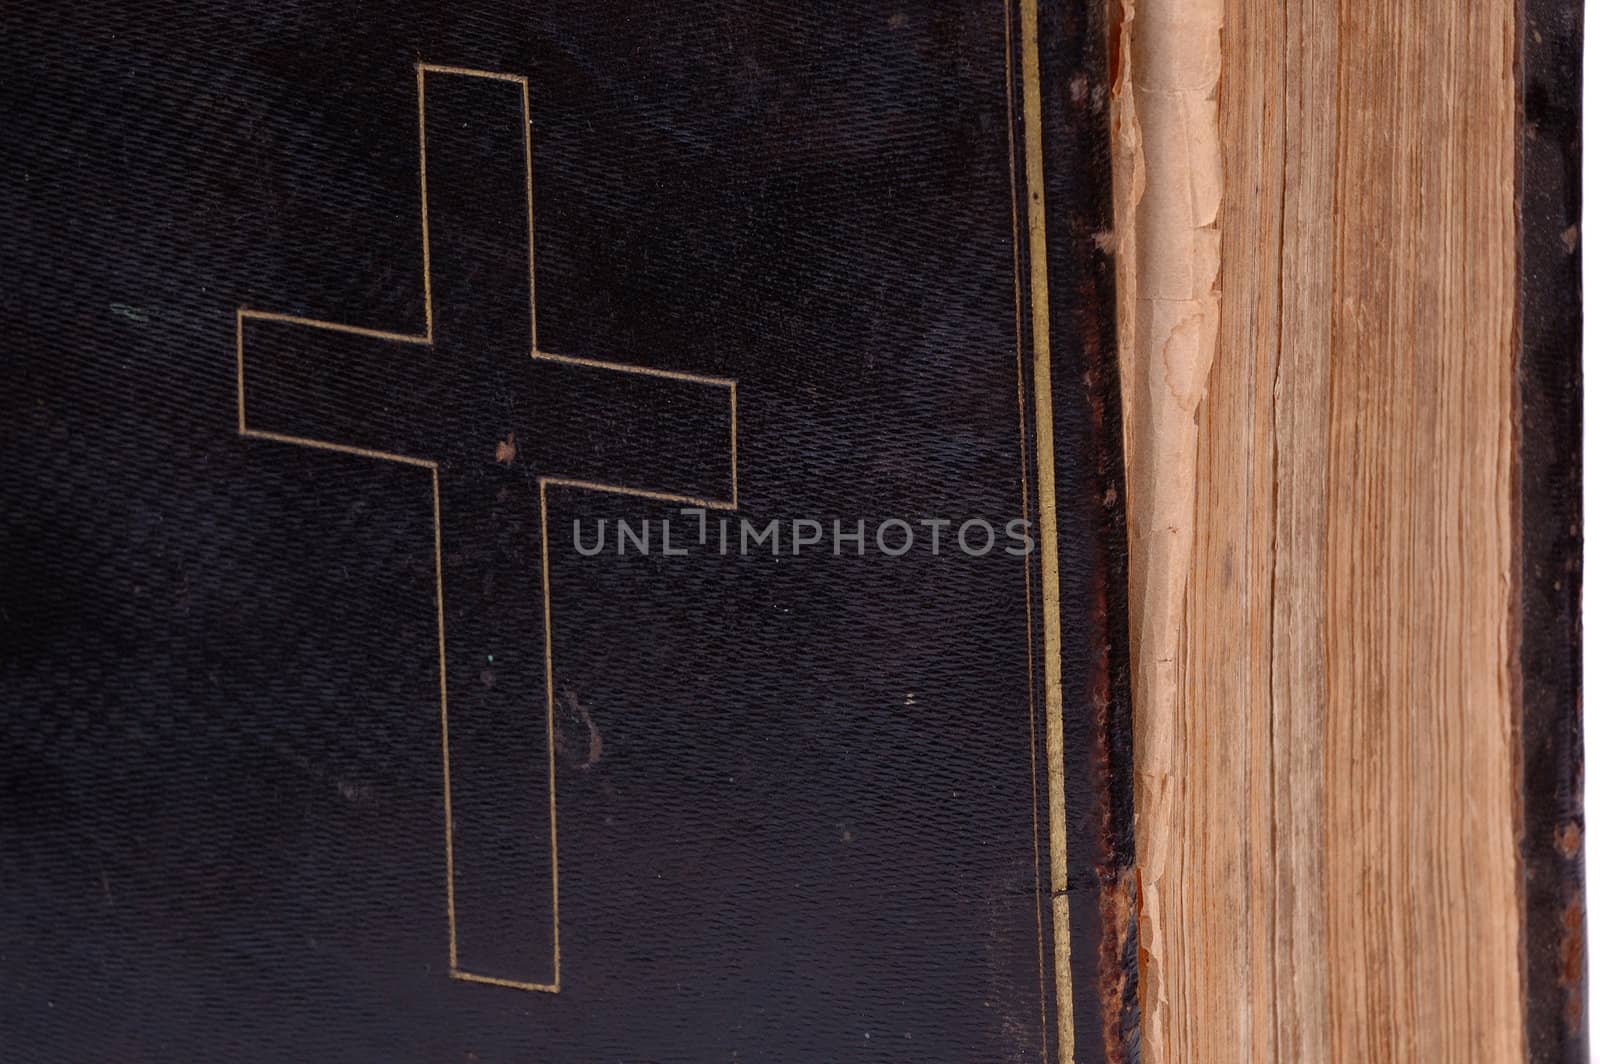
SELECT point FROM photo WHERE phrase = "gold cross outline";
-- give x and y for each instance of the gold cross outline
(425, 339)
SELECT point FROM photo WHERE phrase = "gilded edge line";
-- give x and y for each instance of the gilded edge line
(1049, 560)
(425, 338)
(1027, 572)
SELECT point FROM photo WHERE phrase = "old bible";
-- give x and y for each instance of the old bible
(567, 533)
(959, 531)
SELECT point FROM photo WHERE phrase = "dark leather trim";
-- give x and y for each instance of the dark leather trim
(1549, 472)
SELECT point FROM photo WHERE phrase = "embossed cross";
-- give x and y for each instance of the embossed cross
(496, 430)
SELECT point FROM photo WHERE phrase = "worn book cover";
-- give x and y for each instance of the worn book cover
(561, 532)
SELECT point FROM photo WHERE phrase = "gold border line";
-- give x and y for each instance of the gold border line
(243, 314)
(1027, 573)
(1049, 561)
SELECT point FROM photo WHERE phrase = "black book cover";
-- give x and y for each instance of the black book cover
(560, 532)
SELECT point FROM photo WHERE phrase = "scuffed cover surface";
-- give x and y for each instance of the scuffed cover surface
(1550, 439)
(800, 798)
(1103, 885)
